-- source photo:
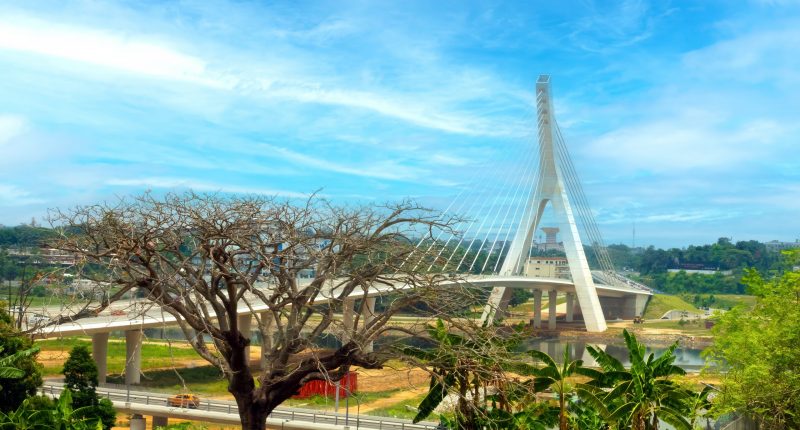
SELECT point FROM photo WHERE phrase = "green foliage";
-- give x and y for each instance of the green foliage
(7, 363)
(555, 377)
(17, 351)
(760, 348)
(80, 377)
(694, 283)
(35, 413)
(638, 397)
(24, 236)
(584, 417)
(463, 365)
(520, 296)
(723, 255)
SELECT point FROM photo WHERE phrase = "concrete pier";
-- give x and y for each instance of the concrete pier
(100, 355)
(537, 308)
(133, 357)
(570, 306)
(246, 329)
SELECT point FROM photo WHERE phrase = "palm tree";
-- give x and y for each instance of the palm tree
(554, 376)
(638, 397)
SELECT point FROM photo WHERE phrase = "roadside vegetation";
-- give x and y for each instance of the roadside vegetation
(757, 348)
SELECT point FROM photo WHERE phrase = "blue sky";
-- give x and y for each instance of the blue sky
(682, 116)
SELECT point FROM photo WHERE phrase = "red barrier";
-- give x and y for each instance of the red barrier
(347, 386)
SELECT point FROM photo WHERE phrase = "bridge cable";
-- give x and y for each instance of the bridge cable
(589, 224)
(464, 234)
(506, 180)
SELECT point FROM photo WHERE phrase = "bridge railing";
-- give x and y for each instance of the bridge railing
(121, 393)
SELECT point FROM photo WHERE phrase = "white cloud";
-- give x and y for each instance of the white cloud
(171, 182)
(379, 169)
(121, 52)
(688, 216)
(758, 56)
(11, 126)
(449, 160)
(11, 195)
(693, 141)
(131, 53)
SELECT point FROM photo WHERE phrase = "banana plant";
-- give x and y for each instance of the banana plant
(639, 396)
(7, 369)
(555, 376)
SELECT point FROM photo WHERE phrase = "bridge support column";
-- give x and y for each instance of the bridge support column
(570, 306)
(267, 336)
(368, 312)
(100, 355)
(537, 308)
(246, 329)
(552, 298)
(634, 306)
(348, 311)
(138, 422)
(133, 358)
(160, 421)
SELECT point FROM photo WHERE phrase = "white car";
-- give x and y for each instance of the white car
(36, 319)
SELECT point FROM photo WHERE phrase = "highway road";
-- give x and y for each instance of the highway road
(226, 412)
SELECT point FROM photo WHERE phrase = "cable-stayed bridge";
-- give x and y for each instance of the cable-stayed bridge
(498, 258)
(502, 257)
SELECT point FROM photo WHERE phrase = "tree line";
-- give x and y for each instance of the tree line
(722, 255)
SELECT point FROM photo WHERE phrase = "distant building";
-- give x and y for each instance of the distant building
(44, 256)
(776, 245)
(547, 267)
(699, 268)
(701, 271)
(57, 257)
(551, 242)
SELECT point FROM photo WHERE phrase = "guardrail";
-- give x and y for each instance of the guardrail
(122, 394)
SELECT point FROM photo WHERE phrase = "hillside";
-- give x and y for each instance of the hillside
(661, 303)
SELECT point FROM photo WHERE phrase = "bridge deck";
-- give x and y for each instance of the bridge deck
(155, 318)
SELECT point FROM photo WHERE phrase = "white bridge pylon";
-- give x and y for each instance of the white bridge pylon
(551, 187)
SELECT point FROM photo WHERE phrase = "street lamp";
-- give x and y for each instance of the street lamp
(346, 405)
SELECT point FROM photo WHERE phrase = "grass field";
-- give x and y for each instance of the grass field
(155, 354)
(527, 307)
(328, 403)
(691, 327)
(662, 303)
(728, 301)
(405, 409)
(205, 381)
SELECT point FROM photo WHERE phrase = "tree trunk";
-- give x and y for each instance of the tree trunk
(253, 417)
(252, 410)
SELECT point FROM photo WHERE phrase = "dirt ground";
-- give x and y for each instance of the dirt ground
(371, 380)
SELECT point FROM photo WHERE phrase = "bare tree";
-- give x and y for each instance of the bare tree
(206, 258)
